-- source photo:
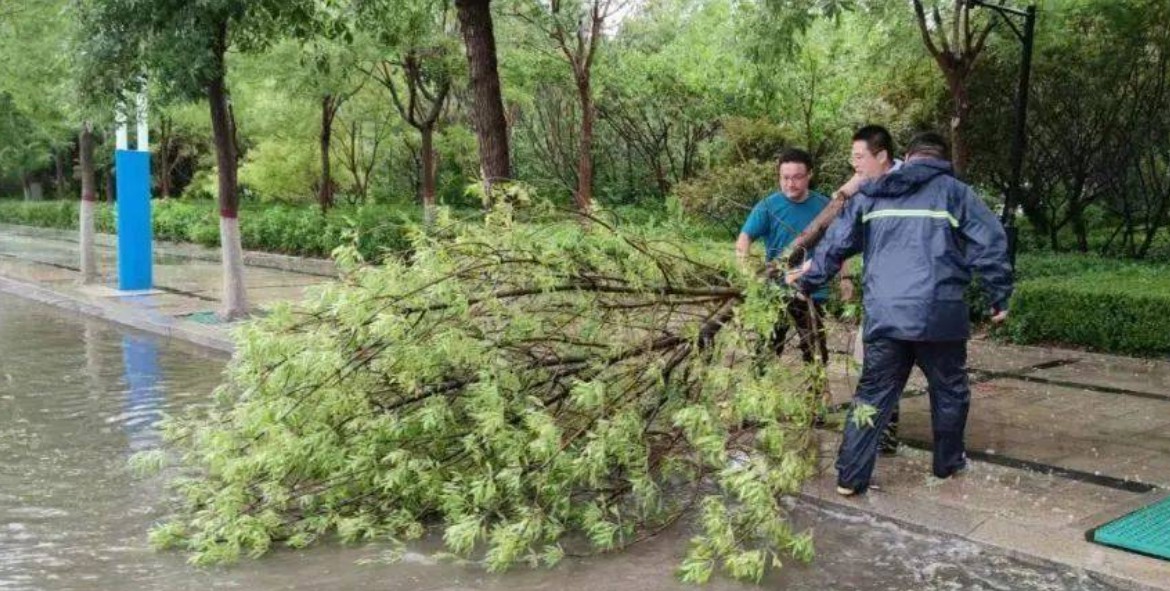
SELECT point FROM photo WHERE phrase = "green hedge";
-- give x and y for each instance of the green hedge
(1123, 310)
(52, 214)
(296, 230)
(1039, 265)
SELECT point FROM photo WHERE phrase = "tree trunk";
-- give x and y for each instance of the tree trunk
(60, 184)
(325, 193)
(815, 231)
(660, 176)
(955, 53)
(962, 108)
(428, 172)
(1156, 222)
(1082, 234)
(584, 196)
(164, 172)
(165, 165)
(235, 303)
(89, 272)
(491, 128)
(1034, 212)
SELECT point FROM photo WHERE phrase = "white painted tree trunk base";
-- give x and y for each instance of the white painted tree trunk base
(89, 272)
(235, 302)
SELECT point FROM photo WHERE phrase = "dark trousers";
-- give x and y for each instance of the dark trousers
(884, 373)
(808, 318)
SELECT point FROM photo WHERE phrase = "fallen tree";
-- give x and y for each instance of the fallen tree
(531, 387)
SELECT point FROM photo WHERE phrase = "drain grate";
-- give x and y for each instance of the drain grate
(1145, 531)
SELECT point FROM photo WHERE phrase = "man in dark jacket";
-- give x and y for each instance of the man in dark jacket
(922, 233)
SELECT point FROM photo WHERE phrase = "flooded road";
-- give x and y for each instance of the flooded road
(78, 397)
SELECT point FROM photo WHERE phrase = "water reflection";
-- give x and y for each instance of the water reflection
(144, 397)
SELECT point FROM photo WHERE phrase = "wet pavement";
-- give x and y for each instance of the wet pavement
(1087, 432)
(1100, 418)
(1066, 439)
(79, 396)
(187, 279)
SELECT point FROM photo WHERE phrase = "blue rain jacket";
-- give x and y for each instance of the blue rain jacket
(922, 233)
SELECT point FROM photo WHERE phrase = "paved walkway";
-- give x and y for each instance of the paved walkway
(43, 264)
(1063, 440)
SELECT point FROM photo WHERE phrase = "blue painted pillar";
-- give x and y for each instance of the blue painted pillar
(134, 231)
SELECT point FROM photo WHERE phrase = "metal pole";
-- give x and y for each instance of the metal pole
(1014, 195)
(121, 141)
(140, 109)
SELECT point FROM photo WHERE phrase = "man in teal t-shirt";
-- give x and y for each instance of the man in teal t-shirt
(777, 220)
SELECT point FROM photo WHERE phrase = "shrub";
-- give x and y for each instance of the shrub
(203, 184)
(282, 170)
(1121, 311)
(185, 221)
(1039, 265)
(746, 140)
(296, 230)
(726, 194)
(458, 165)
(52, 214)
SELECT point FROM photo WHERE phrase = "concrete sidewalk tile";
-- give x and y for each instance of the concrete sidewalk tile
(900, 508)
(1063, 546)
(1116, 504)
(1157, 439)
(1152, 415)
(1108, 457)
(263, 295)
(1154, 469)
(1008, 393)
(180, 305)
(1128, 374)
(989, 356)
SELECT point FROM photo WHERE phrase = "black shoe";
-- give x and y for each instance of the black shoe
(849, 491)
(959, 470)
(888, 443)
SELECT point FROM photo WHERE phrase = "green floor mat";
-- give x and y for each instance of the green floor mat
(1145, 531)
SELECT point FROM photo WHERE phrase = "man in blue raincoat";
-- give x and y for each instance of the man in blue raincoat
(923, 232)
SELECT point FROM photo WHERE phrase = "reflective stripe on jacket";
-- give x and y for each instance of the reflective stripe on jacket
(922, 233)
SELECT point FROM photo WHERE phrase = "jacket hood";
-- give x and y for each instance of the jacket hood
(907, 179)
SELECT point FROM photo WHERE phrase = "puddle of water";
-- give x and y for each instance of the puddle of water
(78, 397)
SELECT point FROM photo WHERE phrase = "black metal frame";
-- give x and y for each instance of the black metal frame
(1019, 139)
